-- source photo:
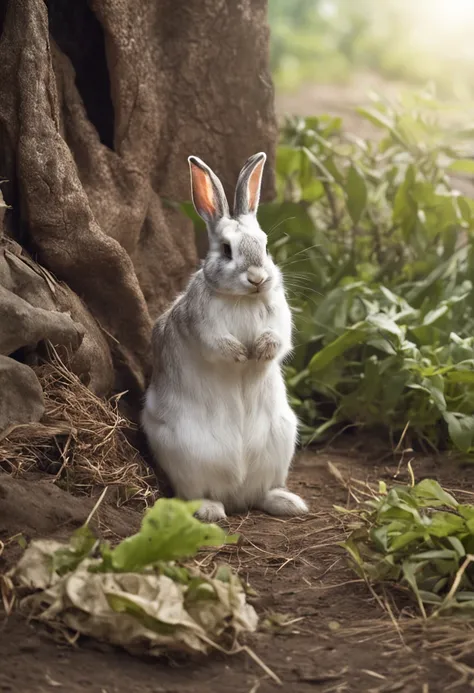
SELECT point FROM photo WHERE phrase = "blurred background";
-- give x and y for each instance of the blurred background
(328, 54)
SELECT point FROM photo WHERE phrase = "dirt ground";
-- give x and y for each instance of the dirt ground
(339, 100)
(342, 100)
(338, 637)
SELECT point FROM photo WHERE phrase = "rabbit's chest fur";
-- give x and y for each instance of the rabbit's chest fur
(245, 319)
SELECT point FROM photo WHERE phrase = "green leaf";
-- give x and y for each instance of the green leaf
(288, 161)
(466, 208)
(436, 554)
(190, 212)
(433, 315)
(405, 539)
(430, 597)
(444, 524)
(383, 322)
(430, 490)
(409, 573)
(462, 166)
(352, 548)
(461, 430)
(169, 532)
(375, 117)
(291, 218)
(435, 386)
(457, 546)
(403, 205)
(461, 376)
(356, 194)
(350, 338)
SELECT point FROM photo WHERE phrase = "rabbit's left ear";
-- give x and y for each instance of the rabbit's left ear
(247, 192)
(208, 194)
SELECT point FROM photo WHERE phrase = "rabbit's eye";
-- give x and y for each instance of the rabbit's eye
(227, 251)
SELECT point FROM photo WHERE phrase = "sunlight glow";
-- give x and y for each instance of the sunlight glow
(449, 13)
(444, 25)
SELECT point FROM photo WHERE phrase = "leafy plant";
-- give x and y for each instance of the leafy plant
(376, 247)
(169, 531)
(420, 538)
(135, 594)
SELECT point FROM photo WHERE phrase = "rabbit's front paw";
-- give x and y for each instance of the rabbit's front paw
(266, 346)
(232, 350)
(211, 511)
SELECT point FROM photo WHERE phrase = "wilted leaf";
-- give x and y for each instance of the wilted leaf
(67, 558)
(135, 595)
(146, 614)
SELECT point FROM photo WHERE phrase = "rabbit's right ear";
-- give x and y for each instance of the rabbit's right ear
(209, 197)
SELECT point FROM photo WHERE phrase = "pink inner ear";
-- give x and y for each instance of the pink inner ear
(203, 192)
(254, 186)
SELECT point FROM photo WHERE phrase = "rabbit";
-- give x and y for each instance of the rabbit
(216, 413)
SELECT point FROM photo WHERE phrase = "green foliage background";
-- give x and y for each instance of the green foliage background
(377, 250)
(376, 247)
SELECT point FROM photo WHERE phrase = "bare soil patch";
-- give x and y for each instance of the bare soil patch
(342, 100)
(338, 636)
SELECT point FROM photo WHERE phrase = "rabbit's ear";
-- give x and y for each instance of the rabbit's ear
(208, 194)
(247, 192)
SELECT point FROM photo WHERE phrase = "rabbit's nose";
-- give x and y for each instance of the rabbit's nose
(256, 282)
(256, 275)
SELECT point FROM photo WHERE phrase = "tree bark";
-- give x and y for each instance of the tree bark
(100, 105)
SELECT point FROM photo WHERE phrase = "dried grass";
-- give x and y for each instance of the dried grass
(81, 440)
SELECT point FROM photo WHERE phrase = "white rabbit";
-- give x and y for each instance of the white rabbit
(216, 413)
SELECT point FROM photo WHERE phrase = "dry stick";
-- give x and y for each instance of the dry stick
(399, 444)
(454, 587)
(8, 594)
(64, 456)
(463, 669)
(255, 687)
(385, 607)
(96, 506)
(334, 471)
(303, 550)
(251, 653)
(261, 664)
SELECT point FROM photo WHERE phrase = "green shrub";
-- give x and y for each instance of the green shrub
(377, 251)
(419, 538)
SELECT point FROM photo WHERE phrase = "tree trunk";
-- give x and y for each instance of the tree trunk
(101, 102)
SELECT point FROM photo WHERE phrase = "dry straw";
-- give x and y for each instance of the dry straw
(81, 441)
